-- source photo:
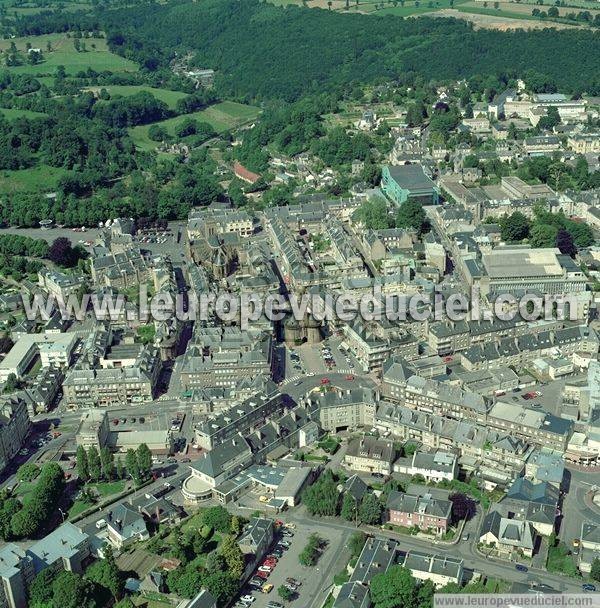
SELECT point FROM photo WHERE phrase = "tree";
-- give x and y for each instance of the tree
(107, 574)
(62, 253)
(11, 384)
(107, 462)
(543, 235)
(131, 465)
(370, 509)
(463, 507)
(564, 241)
(322, 498)
(356, 543)
(310, 554)
(373, 214)
(119, 468)
(70, 590)
(222, 586)
(515, 227)
(236, 526)
(233, 555)
(40, 590)
(396, 587)
(217, 518)
(144, 460)
(285, 593)
(349, 507)
(411, 215)
(595, 570)
(94, 465)
(28, 472)
(215, 562)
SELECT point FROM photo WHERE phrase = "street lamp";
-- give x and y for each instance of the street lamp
(63, 514)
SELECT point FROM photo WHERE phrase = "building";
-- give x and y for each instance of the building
(206, 222)
(204, 599)
(590, 546)
(224, 356)
(246, 416)
(377, 555)
(109, 381)
(125, 525)
(370, 455)
(55, 349)
(518, 270)
(422, 511)
(353, 595)
(291, 487)
(439, 569)
(16, 573)
(223, 462)
(339, 410)
(508, 536)
(257, 537)
(93, 429)
(402, 182)
(59, 284)
(436, 466)
(15, 425)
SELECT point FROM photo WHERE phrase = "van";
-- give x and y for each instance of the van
(100, 524)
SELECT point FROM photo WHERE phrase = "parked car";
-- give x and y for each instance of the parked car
(521, 568)
(265, 569)
(263, 575)
(267, 588)
(588, 587)
(247, 599)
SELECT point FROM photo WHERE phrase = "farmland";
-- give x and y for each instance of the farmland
(221, 116)
(169, 97)
(59, 49)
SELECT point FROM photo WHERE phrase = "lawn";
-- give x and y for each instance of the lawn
(97, 57)
(12, 113)
(418, 7)
(79, 506)
(169, 97)
(107, 488)
(221, 116)
(561, 560)
(41, 177)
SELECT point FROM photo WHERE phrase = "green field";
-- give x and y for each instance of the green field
(221, 116)
(169, 97)
(42, 177)
(417, 7)
(97, 57)
(12, 113)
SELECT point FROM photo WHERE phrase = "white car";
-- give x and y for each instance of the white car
(247, 599)
(265, 569)
(310, 374)
(100, 524)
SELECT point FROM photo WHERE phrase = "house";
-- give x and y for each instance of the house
(244, 174)
(377, 556)
(125, 526)
(356, 487)
(353, 595)
(436, 466)
(422, 511)
(590, 546)
(257, 536)
(508, 536)
(204, 599)
(370, 455)
(440, 569)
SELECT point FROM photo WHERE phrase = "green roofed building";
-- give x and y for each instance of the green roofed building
(401, 182)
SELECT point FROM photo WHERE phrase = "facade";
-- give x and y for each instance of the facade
(424, 512)
(402, 182)
(370, 455)
(436, 466)
(15, 425)
(439, 569)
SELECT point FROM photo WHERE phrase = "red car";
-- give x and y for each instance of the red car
(447, 359)
(349, 377)
(325, 380)
(269, 563)
(263, 575)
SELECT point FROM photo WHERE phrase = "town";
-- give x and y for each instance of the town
(311, 462)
